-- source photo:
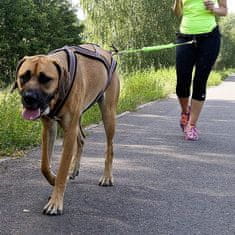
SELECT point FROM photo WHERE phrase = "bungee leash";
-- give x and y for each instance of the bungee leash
(152, 48)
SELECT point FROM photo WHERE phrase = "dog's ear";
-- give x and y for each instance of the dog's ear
(58, 68)
(15, 85)
(62, 83)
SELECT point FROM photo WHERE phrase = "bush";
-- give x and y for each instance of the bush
(227, 56)
(34, 27)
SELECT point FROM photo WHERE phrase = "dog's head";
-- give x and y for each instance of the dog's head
(37, 79)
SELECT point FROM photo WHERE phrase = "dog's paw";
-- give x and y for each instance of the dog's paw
(53, 207)
(106, 181)
(73, 175)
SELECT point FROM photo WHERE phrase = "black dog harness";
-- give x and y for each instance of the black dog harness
(72, 67)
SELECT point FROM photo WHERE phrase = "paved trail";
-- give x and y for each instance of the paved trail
(163, 184)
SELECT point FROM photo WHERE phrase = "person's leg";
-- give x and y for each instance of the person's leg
(196, 107)
(185, 60)
(208, 50)
(184, 104)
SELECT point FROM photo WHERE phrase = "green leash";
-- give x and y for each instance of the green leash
(154, 48)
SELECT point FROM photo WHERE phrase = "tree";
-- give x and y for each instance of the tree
(227, 55)
(30, 27)
(132, 24)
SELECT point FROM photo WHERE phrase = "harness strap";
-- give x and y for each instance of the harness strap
(72, 66)
(100, 96)
(111, 70)
(72, 62)
(91, 54)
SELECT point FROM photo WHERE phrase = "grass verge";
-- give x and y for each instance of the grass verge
(17, 135)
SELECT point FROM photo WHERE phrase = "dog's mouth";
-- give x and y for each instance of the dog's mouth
(31, 114)
(34, 114)
(35, 105)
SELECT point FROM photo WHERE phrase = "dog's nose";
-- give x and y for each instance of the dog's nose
(30, 98)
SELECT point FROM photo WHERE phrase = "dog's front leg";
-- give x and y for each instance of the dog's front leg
(48, 138)
(55, 203)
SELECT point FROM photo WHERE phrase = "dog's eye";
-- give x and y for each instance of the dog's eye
(25, 77)
(43, 79)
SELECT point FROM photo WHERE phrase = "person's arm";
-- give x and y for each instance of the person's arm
(221, 10)
(177, 7)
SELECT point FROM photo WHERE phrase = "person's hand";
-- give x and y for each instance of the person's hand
(210, 5)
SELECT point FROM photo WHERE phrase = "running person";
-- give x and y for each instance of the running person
(198, 23)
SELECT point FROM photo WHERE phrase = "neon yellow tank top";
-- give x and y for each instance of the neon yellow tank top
(196, 18)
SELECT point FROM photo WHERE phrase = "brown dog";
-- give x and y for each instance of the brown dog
(59, 87)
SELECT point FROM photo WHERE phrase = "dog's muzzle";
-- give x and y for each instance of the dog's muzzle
(35, 104)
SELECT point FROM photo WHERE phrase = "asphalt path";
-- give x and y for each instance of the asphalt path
(163, 184)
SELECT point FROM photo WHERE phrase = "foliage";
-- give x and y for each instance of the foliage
(141, 87)
(30, 27)
(227, 55)
(138, 88)
(132, 24)
(15, 133)
(144, 86)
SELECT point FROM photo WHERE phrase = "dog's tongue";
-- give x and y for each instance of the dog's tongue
(29, 114)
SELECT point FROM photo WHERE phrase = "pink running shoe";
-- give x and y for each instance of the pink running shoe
(184, 120)
(191, 133)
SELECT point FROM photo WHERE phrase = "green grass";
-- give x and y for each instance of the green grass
(141, 87)
(17, 135)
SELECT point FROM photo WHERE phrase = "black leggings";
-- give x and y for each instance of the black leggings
(202, 54)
